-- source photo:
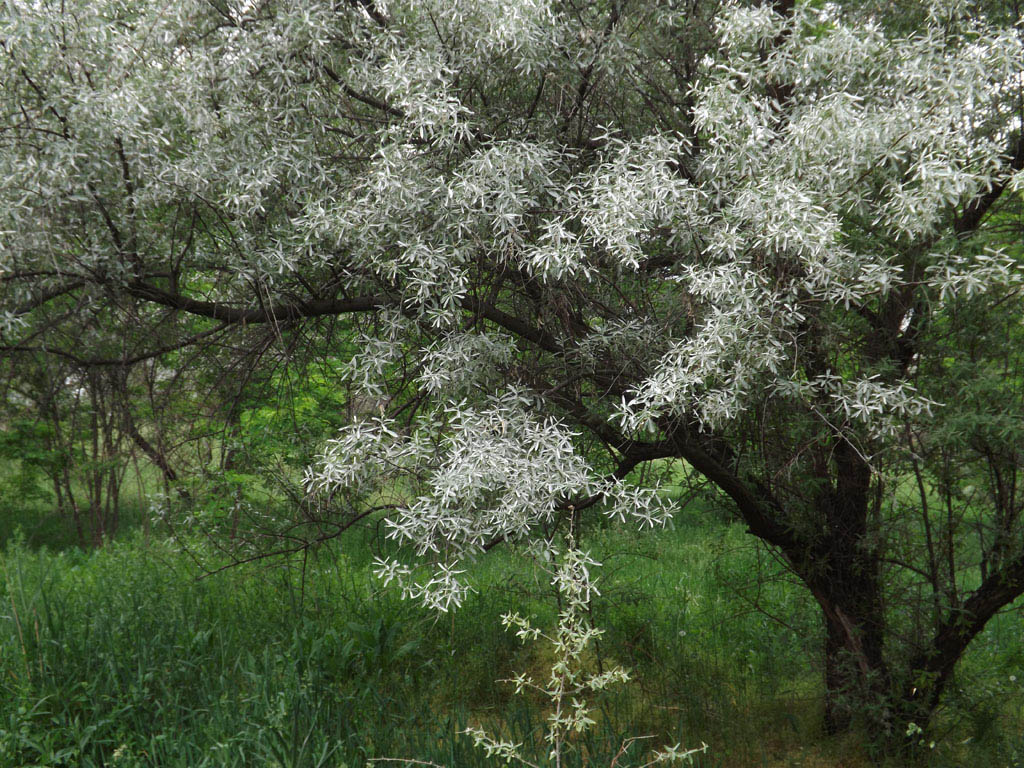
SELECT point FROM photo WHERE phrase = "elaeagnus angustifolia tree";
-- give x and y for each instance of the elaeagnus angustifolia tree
(566, 239)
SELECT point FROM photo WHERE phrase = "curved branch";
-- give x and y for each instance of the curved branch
(515, 325)
(761, 514)
(43, 298)
(975, 210)
(999, 590)
(100, 362)
(270, 314)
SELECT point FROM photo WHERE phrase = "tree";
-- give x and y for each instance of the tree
(563, 240)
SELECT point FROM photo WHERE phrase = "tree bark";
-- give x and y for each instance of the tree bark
(856, 675)
(844, 575)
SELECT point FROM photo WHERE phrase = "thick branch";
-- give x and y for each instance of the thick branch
(761, 515)
(996, 592)
(515, 325)
(366, 99)
(975, 210)
(274, 313)
(43, 298)
(322, 307)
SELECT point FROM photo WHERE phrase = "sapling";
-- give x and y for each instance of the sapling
(570, 680)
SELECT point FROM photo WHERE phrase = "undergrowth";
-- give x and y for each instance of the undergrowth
(123, 657)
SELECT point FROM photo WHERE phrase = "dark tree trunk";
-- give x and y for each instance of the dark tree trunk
(856, 675)
(838, 681)
(838, 560)
(845, 578)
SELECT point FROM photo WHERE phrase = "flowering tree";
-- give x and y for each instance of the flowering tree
(568, 239)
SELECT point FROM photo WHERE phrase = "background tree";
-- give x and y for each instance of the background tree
(569, 239)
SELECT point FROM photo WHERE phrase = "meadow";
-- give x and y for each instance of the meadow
(127, 656)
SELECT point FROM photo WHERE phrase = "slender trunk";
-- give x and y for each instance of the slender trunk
(64, 445)
(113, 502)
(153, 453)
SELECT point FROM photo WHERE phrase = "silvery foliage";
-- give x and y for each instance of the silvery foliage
(879, 130)
(242, 112)
(495, 473)
(569, 682)
(892, 132)
(138, 106)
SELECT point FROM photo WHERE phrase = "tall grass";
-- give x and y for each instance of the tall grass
(122, 657)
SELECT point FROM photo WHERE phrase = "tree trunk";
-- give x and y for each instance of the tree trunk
(845, 578)
(838, 681)
(856, 675)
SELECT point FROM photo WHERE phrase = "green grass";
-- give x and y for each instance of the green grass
(121, 657)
